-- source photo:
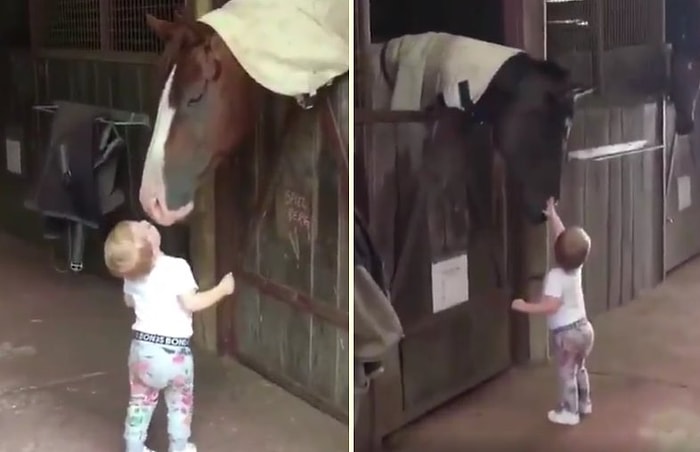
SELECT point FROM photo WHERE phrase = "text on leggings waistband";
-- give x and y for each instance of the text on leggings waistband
(161, 340)
(570, 326)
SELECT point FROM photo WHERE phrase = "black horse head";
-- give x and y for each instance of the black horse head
(683, 32)
(532, 129)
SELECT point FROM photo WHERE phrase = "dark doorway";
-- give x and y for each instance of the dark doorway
(479, 19)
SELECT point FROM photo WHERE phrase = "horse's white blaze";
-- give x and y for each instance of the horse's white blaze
(152, 183)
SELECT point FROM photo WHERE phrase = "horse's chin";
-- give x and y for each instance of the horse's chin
(536, 217)
(684, 127)
(163, 216)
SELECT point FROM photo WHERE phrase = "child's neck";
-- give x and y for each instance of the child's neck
(565, 270)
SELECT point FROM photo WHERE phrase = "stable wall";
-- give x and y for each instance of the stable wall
(77, 77)
(618, 201)
(681, 239)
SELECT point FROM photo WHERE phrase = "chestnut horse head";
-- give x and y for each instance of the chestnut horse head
(207, 107)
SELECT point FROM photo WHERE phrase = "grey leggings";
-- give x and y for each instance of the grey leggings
(571, 345)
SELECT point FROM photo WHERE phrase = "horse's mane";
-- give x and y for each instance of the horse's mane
(554, 70)
(558, 92)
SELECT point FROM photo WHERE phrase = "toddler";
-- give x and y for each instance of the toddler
(571, 334)
(163, 293)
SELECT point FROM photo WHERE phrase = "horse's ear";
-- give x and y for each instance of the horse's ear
(162, 28)
(179, 16)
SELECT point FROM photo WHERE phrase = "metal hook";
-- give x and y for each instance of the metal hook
(46, 108)
(131, 118)
(130, 122)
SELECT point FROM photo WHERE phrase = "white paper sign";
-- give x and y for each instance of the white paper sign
(684, 187)
(13, 156)
(450, 280)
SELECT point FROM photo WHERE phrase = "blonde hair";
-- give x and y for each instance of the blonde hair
(127, 256)
(571, 248)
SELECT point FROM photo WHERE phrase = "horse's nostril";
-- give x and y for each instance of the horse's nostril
(157, 208)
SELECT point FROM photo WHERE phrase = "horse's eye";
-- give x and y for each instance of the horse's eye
(194, 100)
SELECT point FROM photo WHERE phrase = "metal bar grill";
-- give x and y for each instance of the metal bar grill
(571, 24)
(101, 25)
(580, 32)
(570, 27)
(128, 28)
(72, 24)
(631, 22)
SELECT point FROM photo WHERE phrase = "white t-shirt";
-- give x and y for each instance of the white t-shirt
(567, 287)
(156, 304)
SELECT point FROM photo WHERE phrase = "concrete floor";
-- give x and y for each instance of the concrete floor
(63, 381)
(646, 389)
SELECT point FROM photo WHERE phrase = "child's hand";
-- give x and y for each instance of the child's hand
(551, 209)
(227, 283)
(518, 304)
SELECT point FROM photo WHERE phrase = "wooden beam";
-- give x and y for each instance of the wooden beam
(524, 27)
(203, 238)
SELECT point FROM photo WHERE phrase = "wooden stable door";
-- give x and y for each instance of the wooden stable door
(282, 226)
(440, 229)
(682, 190)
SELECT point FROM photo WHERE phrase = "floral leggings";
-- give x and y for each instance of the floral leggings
(153, 368)
(571, 345)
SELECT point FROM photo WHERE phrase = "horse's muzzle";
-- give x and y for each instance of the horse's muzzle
(157, 210)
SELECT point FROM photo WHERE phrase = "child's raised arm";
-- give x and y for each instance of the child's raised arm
(556, 226)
